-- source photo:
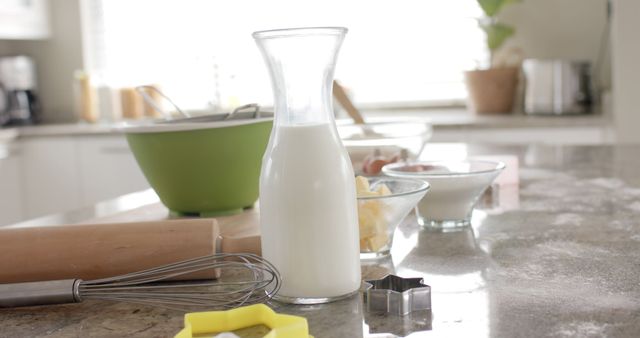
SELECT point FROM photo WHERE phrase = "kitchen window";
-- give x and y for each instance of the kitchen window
(408, 53)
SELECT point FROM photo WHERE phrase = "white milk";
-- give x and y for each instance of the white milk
(308, 212)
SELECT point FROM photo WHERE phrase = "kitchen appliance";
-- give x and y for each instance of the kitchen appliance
(557, 87)
(19, 103)
(257, 281)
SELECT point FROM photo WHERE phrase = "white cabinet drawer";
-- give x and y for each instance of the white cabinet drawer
(107, 168)
(51, 174)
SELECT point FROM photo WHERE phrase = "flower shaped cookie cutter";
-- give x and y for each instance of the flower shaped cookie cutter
(397, 295)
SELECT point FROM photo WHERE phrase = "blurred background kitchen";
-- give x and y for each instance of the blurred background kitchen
(68, 69)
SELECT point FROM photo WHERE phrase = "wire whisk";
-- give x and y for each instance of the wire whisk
(246, 279)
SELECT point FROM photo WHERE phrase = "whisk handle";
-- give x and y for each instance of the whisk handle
(39, 293)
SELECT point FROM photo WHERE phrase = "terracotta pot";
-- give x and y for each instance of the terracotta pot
(492, 91)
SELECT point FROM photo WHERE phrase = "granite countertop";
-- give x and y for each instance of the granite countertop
(439, 119)
(555, 255)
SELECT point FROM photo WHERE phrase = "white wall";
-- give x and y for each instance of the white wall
(626, 70)
(559, 29)
(569, 29)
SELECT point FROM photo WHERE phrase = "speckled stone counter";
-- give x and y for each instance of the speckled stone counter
(556, 255)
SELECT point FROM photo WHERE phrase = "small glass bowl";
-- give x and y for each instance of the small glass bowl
(455, 188)
(389, 136)
(379, 216)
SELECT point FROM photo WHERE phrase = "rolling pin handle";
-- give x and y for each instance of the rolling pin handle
(249, 244)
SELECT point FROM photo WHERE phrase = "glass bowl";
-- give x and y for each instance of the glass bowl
(387, 136)
(455, 188)
(380, 215)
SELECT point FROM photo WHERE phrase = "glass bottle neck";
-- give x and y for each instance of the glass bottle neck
(301, 63)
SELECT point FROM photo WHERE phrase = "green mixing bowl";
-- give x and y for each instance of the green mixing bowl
(204, 168)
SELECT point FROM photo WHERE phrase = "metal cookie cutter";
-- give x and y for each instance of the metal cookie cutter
(397, 295)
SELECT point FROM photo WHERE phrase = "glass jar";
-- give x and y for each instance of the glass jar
(308, 210)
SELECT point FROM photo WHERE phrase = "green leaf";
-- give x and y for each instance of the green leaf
(497, 33)
(493, 7)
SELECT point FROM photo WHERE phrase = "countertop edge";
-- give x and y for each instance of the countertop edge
(439, 121)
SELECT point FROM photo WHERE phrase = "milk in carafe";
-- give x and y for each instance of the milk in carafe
(308, 206)
(309, 212)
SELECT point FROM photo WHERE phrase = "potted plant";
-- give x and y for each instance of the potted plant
(493, 90)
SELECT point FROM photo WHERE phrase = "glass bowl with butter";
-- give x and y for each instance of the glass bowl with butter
(383, 203)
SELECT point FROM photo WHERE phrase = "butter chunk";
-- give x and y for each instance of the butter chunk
(364, 244)
(367, 193)
(362, 185)
(371, 222)
(377, 242)
(383, 190)
(371, 216)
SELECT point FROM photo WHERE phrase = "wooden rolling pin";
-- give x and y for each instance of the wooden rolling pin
(92, 251)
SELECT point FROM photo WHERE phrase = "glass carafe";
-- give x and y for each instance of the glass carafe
(308, 210)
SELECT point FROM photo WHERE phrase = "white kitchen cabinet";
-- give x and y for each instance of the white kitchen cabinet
(24, 19)
(61, 173)
(11, 209)
(107, 168)
(51, 172)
